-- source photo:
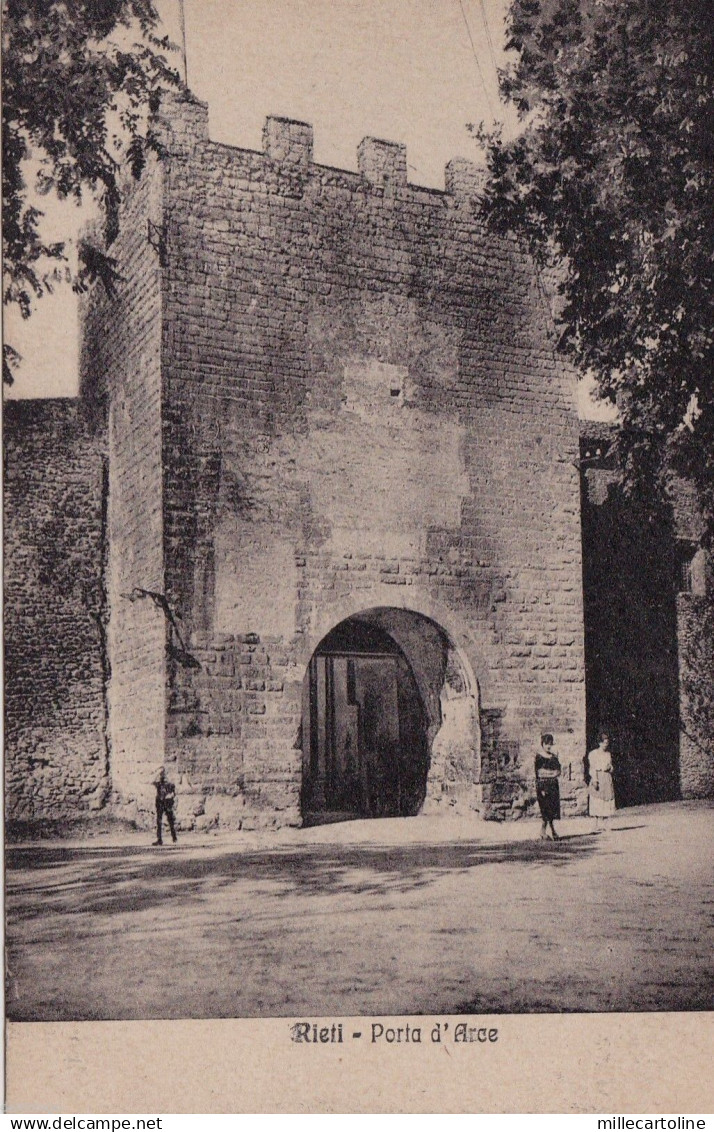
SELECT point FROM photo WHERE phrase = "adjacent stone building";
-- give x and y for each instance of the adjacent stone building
(55, 495)
(340, 531)
(649, 631)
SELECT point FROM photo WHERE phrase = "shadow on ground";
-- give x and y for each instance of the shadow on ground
(385, 919)
(116, 880)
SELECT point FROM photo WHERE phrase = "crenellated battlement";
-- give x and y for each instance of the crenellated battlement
(382, 162)
(289, 143)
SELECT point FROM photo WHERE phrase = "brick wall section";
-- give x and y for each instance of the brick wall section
(362, 408)
(121, 358)
(56, 759)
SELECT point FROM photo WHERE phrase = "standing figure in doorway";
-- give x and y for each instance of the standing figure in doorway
(547, 772)
(602, 790)
(165, 798)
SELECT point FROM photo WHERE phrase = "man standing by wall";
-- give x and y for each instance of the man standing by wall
(165, 798)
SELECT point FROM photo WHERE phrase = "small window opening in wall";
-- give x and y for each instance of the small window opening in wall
(395, 391)
(687, 553)
(694, 572)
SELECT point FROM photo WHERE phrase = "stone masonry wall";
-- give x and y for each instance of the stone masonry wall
(695, 637)
(649, 631)
(631, 658)
(362, 409)
(121, 362)
(695, 622)
(56, 758)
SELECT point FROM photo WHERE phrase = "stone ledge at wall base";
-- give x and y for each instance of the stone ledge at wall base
(201, 812)
(128, 811)
(575, 804)
(223, 811)
(67, 800)
(455, 800)
(80, 829)
(503, 805)
(500, 801)
(138, 814)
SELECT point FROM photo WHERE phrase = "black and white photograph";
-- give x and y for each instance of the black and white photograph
(358, 436)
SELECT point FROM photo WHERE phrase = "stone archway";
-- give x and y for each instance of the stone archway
(390, 720)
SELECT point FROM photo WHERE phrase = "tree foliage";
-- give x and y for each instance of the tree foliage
(612, 177)
(79, 80)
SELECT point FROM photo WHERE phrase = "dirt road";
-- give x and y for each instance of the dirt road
(405, 916)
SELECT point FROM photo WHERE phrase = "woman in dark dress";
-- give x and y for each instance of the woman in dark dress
(547, 770)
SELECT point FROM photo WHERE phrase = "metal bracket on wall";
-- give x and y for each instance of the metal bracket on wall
(157, 238)
(178, 653)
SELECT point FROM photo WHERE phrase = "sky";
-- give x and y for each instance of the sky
(413, 71)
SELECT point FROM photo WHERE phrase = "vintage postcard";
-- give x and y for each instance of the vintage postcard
(358, 712)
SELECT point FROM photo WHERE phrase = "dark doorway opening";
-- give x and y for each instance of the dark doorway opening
(365, 742)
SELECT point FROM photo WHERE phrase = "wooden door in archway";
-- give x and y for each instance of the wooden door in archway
(364, 735)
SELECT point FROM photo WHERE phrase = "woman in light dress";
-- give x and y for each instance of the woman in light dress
(602, 790)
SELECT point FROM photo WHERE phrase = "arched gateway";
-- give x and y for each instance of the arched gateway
(389, 720)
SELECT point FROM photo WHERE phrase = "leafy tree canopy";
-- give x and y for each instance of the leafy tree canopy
(612, 178)
(78, 79)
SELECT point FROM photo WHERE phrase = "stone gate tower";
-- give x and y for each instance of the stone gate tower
(344, 567)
